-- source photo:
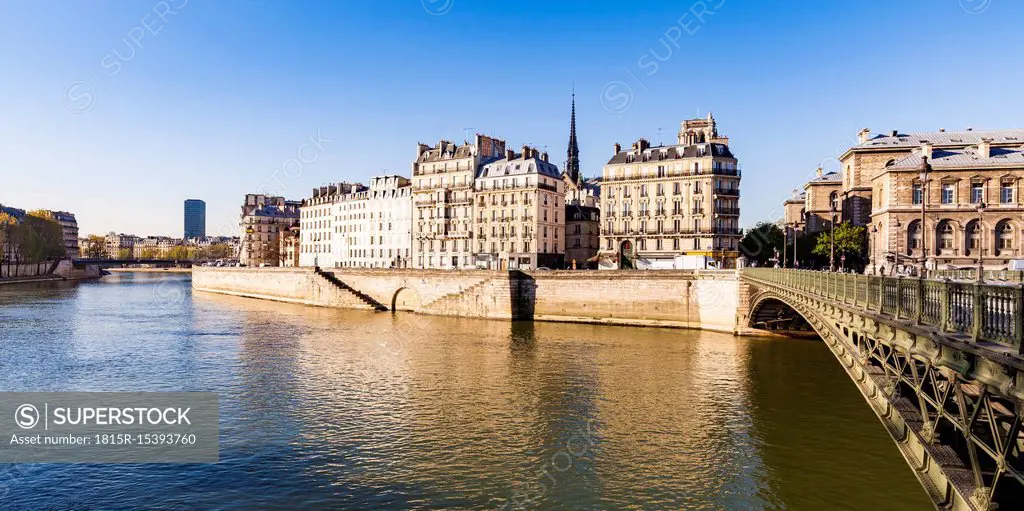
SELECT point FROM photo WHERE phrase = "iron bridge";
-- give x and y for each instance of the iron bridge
(940, 362)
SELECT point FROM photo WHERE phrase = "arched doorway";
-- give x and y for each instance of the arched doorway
(406, 299)
(626, 255)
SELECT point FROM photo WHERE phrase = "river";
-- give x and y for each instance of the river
(327, 408)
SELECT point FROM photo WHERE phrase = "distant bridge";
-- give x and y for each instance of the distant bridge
(940, 362)
(118, 262)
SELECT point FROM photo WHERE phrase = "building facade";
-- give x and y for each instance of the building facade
(290, 247)
(319, 225)
(442, 181)
(195, 218)
(263, 219)
(674, 206)
(69, 226)
(823, 201)
(518, 207)
(943, 199)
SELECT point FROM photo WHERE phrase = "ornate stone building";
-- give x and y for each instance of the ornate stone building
(672, 206)
(519, 213)
(966, 184)
(442, 181)
(263, 219)
(822, 201)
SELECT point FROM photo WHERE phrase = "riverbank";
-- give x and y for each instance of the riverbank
(705, 300)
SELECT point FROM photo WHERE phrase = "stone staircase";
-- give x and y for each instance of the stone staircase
(455, 294)
(367, 299)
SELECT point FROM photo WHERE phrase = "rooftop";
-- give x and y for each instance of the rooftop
(966, 157)
(943, 138)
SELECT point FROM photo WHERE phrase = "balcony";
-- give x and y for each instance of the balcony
(729, 192)
(728, 211)
(697, 211)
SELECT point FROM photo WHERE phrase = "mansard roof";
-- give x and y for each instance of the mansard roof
(675, 152)
(943, 138)
(960, 158)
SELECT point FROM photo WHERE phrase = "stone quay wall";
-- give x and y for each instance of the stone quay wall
(681, 299)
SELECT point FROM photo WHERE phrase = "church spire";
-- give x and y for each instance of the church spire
(572, 162)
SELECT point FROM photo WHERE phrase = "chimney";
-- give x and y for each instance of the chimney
(893, 133)
(526, 152)
(970, 128)
(510, 155)
(544, 156)
(862, 136)
(942, 130)
(618, 148)
(819, 172)
(985, 148)
(926, 149)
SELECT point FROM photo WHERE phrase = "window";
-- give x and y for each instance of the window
(918, 195)
(1006, 192)
(947, 193)
(946, 236)
(976, 193)
(973, 238)
(1005, 233)
(914, 236)
(833, 200)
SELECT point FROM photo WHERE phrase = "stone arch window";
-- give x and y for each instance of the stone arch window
(945, 236)
(972, 238)
(833, 200)
(913, 236)
(1004, 236)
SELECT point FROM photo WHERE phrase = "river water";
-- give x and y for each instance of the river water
(326, 408)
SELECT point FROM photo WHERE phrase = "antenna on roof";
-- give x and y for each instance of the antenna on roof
(465, 132)
(660, 140)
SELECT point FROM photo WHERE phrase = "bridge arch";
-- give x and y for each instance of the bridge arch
(406, 299)
(775, 314)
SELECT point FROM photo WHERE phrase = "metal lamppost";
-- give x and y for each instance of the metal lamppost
(981, 240)
(896, 261)
(873, 245)
(785, 242)
(832, 241)
(796, 264)
(925, 169)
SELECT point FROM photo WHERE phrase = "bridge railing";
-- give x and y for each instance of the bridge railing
(984, 312)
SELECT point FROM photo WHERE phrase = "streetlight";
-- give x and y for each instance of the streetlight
(896, 261)
(796, 263)
(872, 244)
(832, 241)
(785, 242)
(981, 240)
(925, 169)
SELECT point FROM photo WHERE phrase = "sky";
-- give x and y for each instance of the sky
(118, 111)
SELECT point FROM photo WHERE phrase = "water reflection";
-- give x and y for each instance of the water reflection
(360, 410)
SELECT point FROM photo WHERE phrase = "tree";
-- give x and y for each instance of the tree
(849, 241)
(760, 243)
(41, 237)
(95, 246)
(147, 253)
(178, 253)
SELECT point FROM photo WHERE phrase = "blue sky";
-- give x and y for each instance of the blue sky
(118, 111)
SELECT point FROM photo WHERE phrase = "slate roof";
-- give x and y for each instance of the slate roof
(944, 138)
(519, 167)
(831, 177)
(674, 152)
(446, 150)
(798, 197)
(968, 157)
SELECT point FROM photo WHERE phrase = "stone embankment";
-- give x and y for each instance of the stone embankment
(680, 299)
